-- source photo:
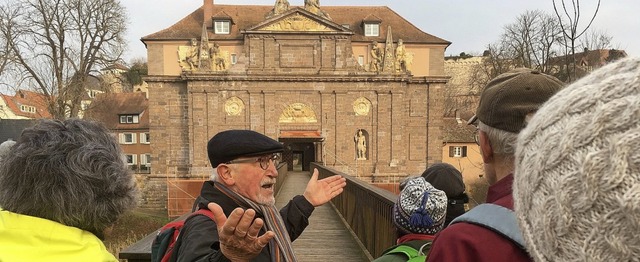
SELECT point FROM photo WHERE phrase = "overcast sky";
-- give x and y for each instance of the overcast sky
(469, 24)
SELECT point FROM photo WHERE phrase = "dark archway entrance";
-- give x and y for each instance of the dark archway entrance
(300, 148)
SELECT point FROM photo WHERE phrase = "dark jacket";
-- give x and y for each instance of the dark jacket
(469, 242)
(199, 236)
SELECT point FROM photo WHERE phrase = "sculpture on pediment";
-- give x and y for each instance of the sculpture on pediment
(204, 57)
(401, 57)
(390, 60)
(313, 6)
(188, 56)
(297, 22)
(280, 7)
(376, 57)
(219, 62)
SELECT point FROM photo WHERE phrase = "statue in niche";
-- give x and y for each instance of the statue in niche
(280, 7)
(376, 57)
(361, 145)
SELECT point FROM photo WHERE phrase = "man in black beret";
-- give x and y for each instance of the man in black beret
(240, 194)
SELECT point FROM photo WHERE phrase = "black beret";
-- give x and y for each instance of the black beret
(445, 177)
(231, 144)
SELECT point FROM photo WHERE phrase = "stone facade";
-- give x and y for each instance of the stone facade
(302, 86)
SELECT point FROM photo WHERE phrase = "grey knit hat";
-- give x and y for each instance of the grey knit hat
(577, 181)
(420, 208)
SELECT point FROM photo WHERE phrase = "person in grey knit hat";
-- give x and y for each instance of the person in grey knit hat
(418, 214)
(577, 189)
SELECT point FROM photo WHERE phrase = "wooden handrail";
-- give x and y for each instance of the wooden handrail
(367, 210)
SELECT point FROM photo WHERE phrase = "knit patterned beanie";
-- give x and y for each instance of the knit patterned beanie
(577, 180)
(420, 208)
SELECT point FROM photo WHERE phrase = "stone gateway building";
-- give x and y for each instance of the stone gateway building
(355, 87)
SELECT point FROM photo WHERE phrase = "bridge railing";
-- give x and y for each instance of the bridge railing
(366, 209)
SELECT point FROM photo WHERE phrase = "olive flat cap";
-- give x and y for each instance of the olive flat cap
(510, 97)
(232, 144)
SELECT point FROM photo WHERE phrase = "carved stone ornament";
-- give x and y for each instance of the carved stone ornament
(361, 106)
(234, 106)
(297, 22)
(298, 113)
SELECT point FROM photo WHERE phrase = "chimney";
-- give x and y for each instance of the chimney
(207, 6)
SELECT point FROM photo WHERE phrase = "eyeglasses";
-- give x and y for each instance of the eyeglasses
(263, 160)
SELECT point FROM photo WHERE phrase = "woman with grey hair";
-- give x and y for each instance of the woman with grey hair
(61, 186)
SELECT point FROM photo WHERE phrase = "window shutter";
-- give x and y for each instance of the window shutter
(135, 158)
(451, 151)
(464, 151)
(121, 137)
(133, 138)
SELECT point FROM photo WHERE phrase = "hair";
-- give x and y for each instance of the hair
(5, 147)
(503, 142)
(72, 172)
(214, 175)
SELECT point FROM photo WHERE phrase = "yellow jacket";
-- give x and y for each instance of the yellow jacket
(27, 238)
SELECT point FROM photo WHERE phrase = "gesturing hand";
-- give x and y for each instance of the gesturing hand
(319, 192)
(238, 234)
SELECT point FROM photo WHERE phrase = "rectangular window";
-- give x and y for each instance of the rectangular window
(131, 159)
(457, 151)
(129, 119)
(145, 159)
(234, 59)
(361, 60)
(145, 138)
(222, 26)
(27, 109)
(127, 138)
(371, 29)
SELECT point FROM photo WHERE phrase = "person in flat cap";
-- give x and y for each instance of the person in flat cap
(506, 104)
(240, 194)
(447, 178)
(577, 187)
(418, 214)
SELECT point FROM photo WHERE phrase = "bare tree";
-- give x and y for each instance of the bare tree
(595, 39)
(56, 44)
(569, 17)
(529, 42)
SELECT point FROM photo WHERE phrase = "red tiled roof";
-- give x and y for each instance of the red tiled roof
(28, 98)
(455, 132)
(247, 16)
(107, 109)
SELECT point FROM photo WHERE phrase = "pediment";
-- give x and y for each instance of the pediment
(298, 20)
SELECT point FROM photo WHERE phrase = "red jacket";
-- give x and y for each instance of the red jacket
(468, 242)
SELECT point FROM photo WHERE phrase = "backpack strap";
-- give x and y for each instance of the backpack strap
(407, 250)
(497, 218)
(203, 211)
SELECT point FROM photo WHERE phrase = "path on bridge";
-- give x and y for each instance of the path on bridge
(326, 238)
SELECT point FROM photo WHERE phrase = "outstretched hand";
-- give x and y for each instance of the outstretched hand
(319, 192)
(238, 234)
